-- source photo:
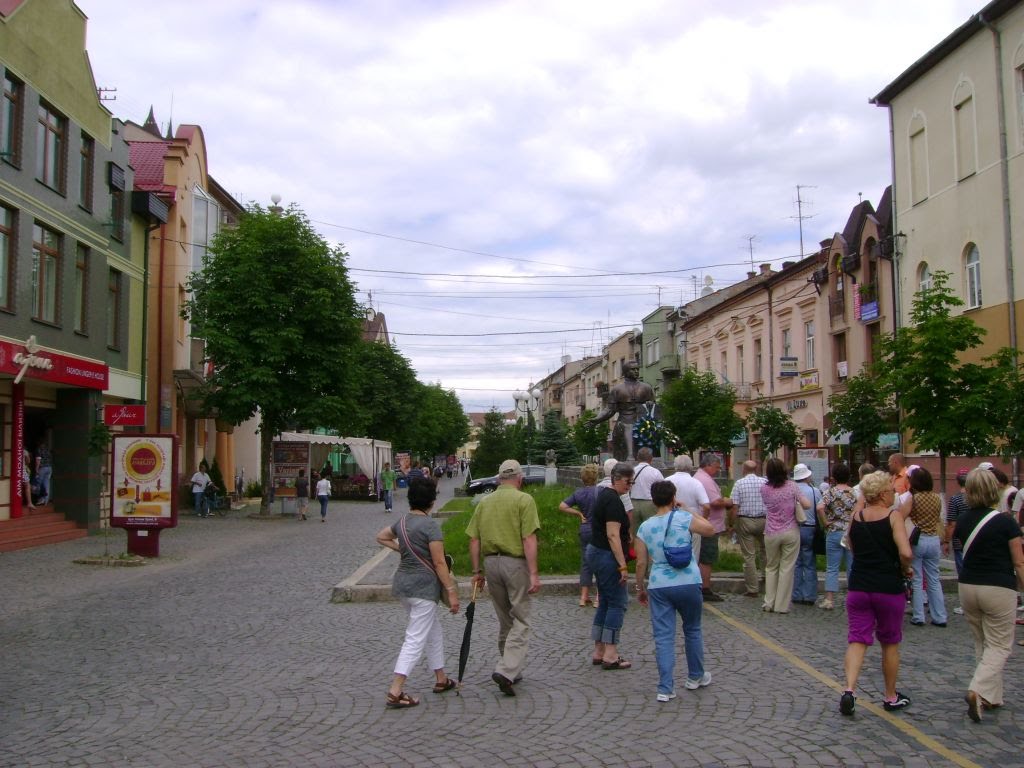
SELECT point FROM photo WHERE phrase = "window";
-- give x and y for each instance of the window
(973, 270)
(45, 274)
(114, 309)
(918, 160)
(10, 120)
(87, 153)
(182, 298)
(964, 127)
(51, 137)
(707, 362)
(725, 365)
(116, 182)
(205, 219)
(740, 367)
(7, 251)
(81, 288)
(842, 365)
(787, 342)
(809, 344)
(757, 361)
(874, 340)
(810, 437)
(924, 278)
(1018, 64)
(656, 345)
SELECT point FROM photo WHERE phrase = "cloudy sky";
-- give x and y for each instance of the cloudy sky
(518, 181)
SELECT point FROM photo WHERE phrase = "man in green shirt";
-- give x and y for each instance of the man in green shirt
(503, 531)
(387, 482)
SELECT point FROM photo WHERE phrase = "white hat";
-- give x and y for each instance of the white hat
(801, 472)
(986, 465)
(912, 469)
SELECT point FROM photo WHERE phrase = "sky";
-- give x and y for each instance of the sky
(515, 182)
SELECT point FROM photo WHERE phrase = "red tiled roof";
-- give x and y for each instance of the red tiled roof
(147, 158)
(7, 7)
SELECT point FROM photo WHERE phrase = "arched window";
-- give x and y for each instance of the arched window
(918, 159)
(965, 130)
(924, 278)
(972, 268)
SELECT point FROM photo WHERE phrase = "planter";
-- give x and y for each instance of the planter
(114, 561)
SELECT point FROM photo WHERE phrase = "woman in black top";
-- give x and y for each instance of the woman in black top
(993, 571)
(606, 555)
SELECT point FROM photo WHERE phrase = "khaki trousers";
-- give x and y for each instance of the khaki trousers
(750, 534)
(781, 551)
(508, 581)
(990, 613)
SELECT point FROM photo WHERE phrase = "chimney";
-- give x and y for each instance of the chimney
(787, 264)
(766, 269)
(751, 275)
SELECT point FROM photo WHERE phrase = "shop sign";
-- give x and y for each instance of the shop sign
(124, 415)
(890, 441)
(795, 405)
(809, 381)
(868, 311)
(740, 438)
(32, 361)
(789, 366)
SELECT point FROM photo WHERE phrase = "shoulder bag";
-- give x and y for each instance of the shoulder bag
(977, 530)
(798, 510)
(677, 557)
(449, 560)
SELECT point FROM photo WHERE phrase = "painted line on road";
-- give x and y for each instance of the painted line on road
(899, 723)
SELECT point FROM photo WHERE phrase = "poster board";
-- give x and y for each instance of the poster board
(143, 491)
(289, 457)
(816, 460)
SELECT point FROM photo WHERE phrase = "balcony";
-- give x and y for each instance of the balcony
(868, 292)
(668, 363)
(745, 391)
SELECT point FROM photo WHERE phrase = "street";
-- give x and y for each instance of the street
(228, 652)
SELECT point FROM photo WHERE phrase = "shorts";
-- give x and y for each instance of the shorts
(303, 502)
(708, 550)
(875, 613)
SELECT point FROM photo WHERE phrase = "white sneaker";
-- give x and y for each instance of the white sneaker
(958, 611)
(666, 696)
(693, 685)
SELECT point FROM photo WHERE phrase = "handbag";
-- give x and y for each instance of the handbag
(448, 559)
(915, 536)
(799, 513)
(677, 557)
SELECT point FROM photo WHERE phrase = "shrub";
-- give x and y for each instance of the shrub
(253, 490)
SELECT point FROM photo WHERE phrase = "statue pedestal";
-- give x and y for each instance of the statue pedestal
(550, 475)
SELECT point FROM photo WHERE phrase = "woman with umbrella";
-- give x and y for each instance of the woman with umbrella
(421, 575)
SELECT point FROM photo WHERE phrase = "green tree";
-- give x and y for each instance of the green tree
(554, 435)
(864, 410)
(589, 440)
(945, 402)
(776, 427)
(441, 424)
(701, 411)
(274, 304)
(1007, 401)
(493, 447)
(389, 396)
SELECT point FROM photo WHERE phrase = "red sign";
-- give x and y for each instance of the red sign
(124, 415)
(29, 360)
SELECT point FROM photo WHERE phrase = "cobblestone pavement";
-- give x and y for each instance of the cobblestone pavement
(227, 652)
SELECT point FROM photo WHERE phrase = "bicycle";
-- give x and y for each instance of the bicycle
(215, 502)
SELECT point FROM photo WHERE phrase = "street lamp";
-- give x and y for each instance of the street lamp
(526, 403)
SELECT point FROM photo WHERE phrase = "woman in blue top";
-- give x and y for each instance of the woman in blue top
(670, 590)
(581, 504)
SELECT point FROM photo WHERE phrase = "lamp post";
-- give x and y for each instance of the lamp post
(527, 403)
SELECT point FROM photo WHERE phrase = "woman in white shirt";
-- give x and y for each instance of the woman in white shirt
(323, 494)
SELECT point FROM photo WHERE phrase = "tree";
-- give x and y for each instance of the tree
(945, 402)
(701, 411)
(1007, 401)
(776, 427)
(389, 396)
(493, 447)
(863, 410)
(441, 424)
(589, 440)
(275, 307)
(554, 435)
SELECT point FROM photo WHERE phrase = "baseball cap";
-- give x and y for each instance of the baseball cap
(801, 472)
(510, 468)
(986, 465)
(962, 474)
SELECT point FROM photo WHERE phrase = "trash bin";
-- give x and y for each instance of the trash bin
(289, 506)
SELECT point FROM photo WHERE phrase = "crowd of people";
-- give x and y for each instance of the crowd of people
(888, 530)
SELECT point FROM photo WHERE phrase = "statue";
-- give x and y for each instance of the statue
(628, 399)
(549, 457)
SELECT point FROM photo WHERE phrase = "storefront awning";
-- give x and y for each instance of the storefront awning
(843, 438)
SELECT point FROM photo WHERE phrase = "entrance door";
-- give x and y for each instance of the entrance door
(39, 443)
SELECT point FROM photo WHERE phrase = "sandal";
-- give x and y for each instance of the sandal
(447, 685)
(401, 701)
(619, 663)
(596, 661)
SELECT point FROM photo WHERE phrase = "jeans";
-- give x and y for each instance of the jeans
(926, 564)
(44, 483)
(687, 601)
(805, 577)
(324, 498)
(586, 575)
(389, 497)
(611, 593)
(199, 499)
(834, 554)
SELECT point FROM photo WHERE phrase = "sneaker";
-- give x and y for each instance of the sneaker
(958, 611)
(693, 685)
(847, 702)
(663, 697)
(711, 597)
(900, 702)
(826, 605)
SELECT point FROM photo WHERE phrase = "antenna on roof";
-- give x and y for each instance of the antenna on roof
(800, 216)
(104, 94)
(750, 244)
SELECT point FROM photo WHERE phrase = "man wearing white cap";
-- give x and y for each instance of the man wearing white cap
(805, 577)
(503, 530)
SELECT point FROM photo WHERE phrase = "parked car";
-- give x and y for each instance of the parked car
(533, 474)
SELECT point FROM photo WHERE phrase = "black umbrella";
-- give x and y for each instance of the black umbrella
(466, 635)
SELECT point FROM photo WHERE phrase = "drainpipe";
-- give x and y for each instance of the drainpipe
(145, 310)
(160, 327)
(1004, 177)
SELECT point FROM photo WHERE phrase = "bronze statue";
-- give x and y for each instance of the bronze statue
(628, 399)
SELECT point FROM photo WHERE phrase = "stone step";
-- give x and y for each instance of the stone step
(37, 529)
